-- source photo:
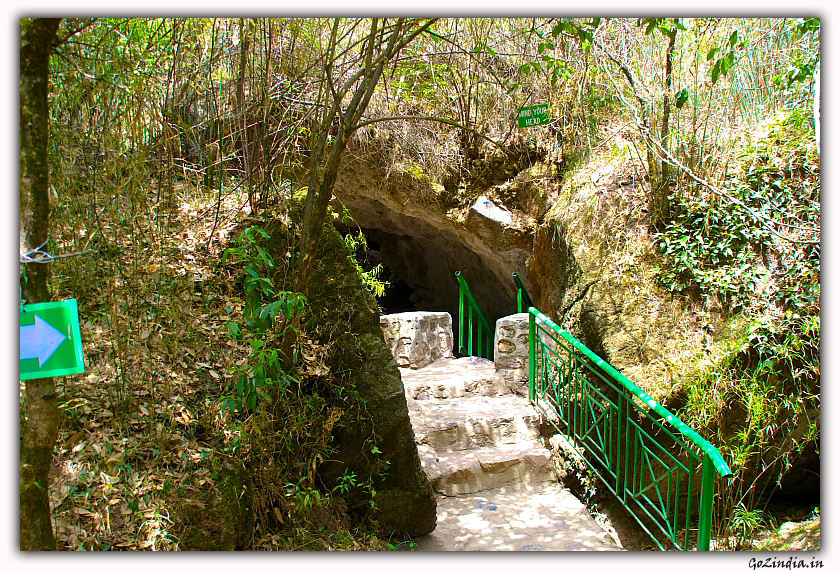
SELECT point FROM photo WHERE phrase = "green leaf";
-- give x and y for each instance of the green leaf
(682, 97)
(234, 332)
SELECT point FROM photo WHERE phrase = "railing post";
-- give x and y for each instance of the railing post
(461, 320)
(478, 341)
(620, 447)
(523, 299)
(484, 331)
(470, 329)
(707, 501)
(532, 357)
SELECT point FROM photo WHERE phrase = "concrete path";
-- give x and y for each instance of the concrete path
(546, 517)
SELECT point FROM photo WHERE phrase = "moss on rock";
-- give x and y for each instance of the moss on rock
(375, 440)
(219, 517)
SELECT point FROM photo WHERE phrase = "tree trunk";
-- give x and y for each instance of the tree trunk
(378, 51)
(247, 158)
(662, 183)
(40, 428)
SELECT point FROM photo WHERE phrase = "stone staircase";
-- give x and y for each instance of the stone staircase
(479, 441)
(471, 434)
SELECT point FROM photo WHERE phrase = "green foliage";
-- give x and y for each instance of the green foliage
(719, 250)
(303, 497)
(710, 250)
(805, 61)
(746, 523)
(558, 68)
(757, 406)
(348, 482)
(758, 402)
(682, 97)
(357, 244)
(259, 316)
(409, 543)
(724, 62)
(668, 27)
(264, 366)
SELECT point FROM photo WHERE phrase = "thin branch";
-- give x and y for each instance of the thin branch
(434, 119)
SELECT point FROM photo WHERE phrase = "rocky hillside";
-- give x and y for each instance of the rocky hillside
(583, 239)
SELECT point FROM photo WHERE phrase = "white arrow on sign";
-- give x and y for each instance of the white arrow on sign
(39, 340)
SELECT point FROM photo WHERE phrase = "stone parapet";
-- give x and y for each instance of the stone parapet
(511, 352)
(417, 339)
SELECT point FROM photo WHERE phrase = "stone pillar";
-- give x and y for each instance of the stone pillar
(512, 351)
(418, 338)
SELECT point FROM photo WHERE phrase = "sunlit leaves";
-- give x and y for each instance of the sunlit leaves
(725, 62)
(667, 26)
(682, 97)
(721, 251)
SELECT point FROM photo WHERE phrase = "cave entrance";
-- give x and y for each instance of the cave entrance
(399, 295)
(419, 263)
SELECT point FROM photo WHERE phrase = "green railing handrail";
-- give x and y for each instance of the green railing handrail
(483, 326)
(714, 454)
(614, 456)
(523, 300)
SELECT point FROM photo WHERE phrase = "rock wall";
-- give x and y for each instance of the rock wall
(592, 271)
(344, 313)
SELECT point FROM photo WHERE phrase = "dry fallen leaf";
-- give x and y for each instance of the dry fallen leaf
(74, 439)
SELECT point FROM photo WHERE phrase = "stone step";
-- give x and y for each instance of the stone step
(453, 378)
(469, 423)
(514, 466)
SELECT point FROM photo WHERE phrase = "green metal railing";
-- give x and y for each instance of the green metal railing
(653, 462)
(481, 333)
(523, 299)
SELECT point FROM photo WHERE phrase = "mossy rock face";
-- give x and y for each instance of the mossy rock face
(219, 517)
(342, 311)
(593, 268)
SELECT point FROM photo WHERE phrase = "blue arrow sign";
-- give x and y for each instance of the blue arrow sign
(39, 340)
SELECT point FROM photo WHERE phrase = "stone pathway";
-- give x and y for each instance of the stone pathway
(544, 517)
(480, 446)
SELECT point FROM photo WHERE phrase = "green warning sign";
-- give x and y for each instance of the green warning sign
(50, 341)
(534, 115)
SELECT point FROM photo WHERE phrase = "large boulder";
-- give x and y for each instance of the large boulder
(374, 440)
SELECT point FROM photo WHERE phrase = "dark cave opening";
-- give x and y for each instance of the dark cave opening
(419, 263)
(398, 293)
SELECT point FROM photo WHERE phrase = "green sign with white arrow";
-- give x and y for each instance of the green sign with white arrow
(50, 341)
(534, 115)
